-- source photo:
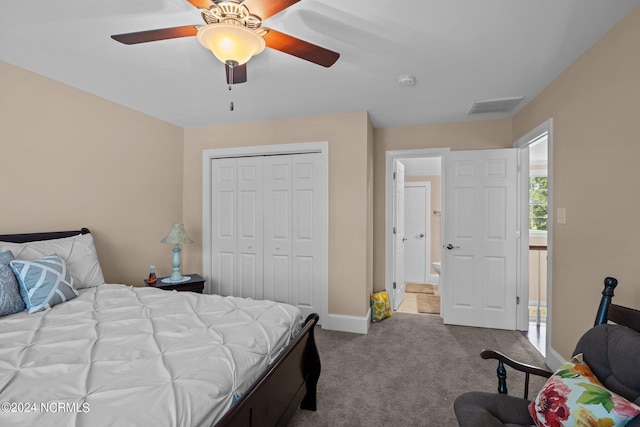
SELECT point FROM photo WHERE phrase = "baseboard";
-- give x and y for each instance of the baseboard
(553, 359)
(344, 323)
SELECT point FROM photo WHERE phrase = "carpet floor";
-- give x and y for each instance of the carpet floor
(408, 370)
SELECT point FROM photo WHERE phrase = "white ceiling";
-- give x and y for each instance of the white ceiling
(458, 50)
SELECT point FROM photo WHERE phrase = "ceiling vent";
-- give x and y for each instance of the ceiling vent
(502, 105)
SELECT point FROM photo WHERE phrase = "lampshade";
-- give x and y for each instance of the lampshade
(177, 235)
(231, 43)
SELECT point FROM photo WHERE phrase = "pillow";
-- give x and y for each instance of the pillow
(10, 299)
(78, 252)
(44, 283)
(573, 396)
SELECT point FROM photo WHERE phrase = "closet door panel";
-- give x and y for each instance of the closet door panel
(307, 231)
(223, 226)
(277, 228)
(250, 228)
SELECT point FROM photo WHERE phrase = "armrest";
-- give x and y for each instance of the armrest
(522, 367)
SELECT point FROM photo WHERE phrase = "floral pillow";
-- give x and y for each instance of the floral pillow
(573, 396)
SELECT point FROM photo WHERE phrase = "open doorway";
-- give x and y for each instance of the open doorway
(535, 318)
(422, 221)
(538, 240)
(424, 169)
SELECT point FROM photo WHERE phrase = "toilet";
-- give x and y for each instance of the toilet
(436, 267)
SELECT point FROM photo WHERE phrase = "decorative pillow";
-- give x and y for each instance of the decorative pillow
(380, 307)
(78, 252)
(573, 396)
(10, 299)
(44, 283)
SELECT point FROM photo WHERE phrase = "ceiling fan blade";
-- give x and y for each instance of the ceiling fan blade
(267, 8)
(239, 74)
(155, 35)
(201, 4)
(300, 48)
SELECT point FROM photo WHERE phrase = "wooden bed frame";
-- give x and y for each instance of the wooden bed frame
(290, 381)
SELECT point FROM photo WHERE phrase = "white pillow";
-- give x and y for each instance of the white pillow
(78, 252)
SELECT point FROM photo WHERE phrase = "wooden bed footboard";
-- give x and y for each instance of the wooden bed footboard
(289, 382)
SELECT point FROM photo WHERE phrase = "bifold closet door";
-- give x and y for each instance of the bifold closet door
(249, 265)
(237, 223)
(224, 236)
(293, 226)
(267, 226)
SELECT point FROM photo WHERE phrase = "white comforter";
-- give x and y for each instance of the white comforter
(126, 356)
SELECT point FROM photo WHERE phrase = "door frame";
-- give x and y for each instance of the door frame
(321, 147)
(552, 358)
(390, 156)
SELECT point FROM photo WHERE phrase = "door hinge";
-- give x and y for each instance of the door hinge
(394, 175)
(394, 285)
(517, 300)
(394, 230)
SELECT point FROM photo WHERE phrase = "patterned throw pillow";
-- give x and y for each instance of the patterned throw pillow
(573, 396)
(10, 299)
(44, 283)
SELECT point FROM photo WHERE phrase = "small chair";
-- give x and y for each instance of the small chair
(606, 348)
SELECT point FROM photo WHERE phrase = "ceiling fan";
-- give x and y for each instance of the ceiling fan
(234, 33)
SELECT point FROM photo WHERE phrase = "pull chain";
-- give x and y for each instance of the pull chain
(230, 85)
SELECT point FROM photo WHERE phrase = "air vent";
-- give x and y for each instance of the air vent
(501, 105)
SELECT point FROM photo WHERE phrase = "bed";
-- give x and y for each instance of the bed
(122, 355)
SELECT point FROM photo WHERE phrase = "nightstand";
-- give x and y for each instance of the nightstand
(195, 284)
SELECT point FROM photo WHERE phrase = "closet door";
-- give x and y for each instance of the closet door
(223, 226)
(249, 265)
(308, 228)
(277, 228)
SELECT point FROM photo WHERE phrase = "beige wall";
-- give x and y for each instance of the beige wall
(70, 160)
(349, 176)
(596, 153)
(473, 135)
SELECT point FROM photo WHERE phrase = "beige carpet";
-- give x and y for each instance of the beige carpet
(419, 288)
(428, 303)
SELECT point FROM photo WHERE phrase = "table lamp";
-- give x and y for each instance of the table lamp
(177, 236)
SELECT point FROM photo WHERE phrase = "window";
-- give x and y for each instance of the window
(538, 203)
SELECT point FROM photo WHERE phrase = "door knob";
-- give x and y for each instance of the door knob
(421, 235)
(404, 239)
(450, 246)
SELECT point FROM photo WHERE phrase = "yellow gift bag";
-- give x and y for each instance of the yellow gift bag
(380, 307)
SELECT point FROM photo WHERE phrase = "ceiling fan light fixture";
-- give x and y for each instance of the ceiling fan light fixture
(231, 43)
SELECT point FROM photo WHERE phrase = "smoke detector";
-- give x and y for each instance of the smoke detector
(406, 80)
(500, 105)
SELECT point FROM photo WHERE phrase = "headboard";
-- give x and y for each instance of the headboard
(34, 237)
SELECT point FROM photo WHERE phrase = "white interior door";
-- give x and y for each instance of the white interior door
(277, 228)
(249, 265)
(479, 269)
(223, 226)
(417, 257)
(399, 236)
(308, 223)
(268, 229)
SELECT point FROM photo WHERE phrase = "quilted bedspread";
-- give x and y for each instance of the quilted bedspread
(126, 356)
